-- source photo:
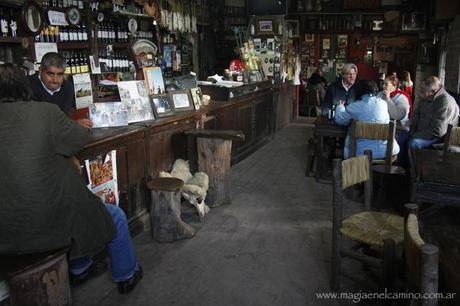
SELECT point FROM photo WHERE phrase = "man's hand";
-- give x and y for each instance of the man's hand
(87, 123)
(76, 163)
(386, 93)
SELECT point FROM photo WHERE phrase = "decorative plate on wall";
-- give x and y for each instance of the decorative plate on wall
(73, 16)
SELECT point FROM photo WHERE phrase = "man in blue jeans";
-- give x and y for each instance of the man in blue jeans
(44, 203)
(433, 114)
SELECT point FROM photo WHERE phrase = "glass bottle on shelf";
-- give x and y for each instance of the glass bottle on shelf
(3, 23)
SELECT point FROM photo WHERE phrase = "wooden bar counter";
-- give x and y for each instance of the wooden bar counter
(146, 148)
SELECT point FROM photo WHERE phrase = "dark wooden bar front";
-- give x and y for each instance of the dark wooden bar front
(146, 148)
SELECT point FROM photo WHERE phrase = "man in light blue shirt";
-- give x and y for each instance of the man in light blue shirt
(367, 108)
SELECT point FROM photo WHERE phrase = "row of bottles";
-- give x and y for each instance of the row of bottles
(65, 3)
(62, 34)
(8, 24)
(76, 62)
(111, 33)
(116, 62)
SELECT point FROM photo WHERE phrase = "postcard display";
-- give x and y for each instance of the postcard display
(102, 177)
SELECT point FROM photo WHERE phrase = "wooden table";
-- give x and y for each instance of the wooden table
(435, 177)
(325, 128)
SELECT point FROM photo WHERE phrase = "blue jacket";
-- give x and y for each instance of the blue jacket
(368, 109)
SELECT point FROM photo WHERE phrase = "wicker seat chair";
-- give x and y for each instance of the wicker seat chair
(420, 259)
(384, 170)
(452, 138)
(367, 229)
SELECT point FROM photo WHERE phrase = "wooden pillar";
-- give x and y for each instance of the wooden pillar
(214, 149)
(166, 222)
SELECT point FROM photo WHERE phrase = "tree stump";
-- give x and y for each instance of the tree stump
(38, 279)
(166, 222)
(214, 149)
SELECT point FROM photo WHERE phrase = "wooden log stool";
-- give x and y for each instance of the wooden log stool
(166, 222)
(214, 149)
(38, 279)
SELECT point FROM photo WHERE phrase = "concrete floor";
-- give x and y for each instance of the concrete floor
(271, 246)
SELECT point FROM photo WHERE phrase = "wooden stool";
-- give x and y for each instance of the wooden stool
(38, 279)
(165, 210)
(214, 149)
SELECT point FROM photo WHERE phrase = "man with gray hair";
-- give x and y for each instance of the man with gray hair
(50, 85)
(435, 111)
(342, 90)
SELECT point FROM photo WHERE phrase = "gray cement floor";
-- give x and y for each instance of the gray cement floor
(271, 246)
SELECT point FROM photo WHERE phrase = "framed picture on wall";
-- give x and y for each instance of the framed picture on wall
(265, 26)
(292, 27)
(414, 21)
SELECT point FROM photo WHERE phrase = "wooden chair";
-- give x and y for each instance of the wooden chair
(311, 101)
(384, 170)
(435, 177)
(452, 138)
(420, 259)
(367, 229)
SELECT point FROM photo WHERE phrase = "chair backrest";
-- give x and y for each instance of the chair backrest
(452, 137)
(421, 259)
(374, 131)
(350, 172)
(312, 97)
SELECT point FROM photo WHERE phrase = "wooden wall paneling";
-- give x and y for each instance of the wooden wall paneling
(136, 176)
(245, 124)
(122, 176)
(262, 118)
(165, 146)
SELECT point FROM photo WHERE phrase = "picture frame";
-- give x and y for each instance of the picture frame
(162, 106)
(182, 100)
(414, 21)
(292, 27)
(154, 80)
(265, 26)
(197, 97)
(309, 38)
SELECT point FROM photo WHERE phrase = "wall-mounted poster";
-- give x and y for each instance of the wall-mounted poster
(83, 90)
(102, 177)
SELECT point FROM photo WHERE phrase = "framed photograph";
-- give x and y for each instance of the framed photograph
(108, 114)
(181, 100)
(309, 38)
(414, 21)
(257, 44)
(161, 106)
(154, 80)
(292, 27)
(270, 45)
(197, 97)
(265, 26)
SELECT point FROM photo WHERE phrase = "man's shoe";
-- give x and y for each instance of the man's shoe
(96, 269)
(128, 285)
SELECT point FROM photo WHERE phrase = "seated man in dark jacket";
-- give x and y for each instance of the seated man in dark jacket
(342, 90)
(44, 203)
(432, 114)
